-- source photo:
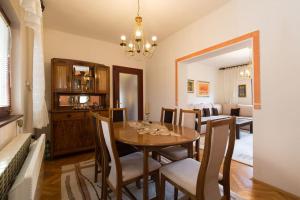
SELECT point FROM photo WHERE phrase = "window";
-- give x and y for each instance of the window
(4, 65)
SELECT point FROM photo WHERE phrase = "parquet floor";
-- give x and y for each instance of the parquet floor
(241, 181)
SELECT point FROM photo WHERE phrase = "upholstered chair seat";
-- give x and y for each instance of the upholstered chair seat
(174, 153)
(178, 172)
(132, 167)
(187, 118)
(171, 171)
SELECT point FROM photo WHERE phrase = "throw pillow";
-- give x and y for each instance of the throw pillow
(215, 112)
(206, 112)
(235, 112)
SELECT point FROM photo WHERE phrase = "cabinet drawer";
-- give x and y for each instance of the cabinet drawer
(67, 116)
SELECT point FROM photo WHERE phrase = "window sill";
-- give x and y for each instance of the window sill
(10, 118)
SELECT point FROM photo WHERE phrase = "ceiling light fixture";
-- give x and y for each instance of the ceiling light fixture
(137, 44)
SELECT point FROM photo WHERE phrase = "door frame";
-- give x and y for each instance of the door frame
(116, 86)
(255, 38)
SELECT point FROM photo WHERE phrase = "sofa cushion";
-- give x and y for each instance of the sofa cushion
(235, 112)
(227, 108)
(246, 110)
(206, 112)
(215, 112)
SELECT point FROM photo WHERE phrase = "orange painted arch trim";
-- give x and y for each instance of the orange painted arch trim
(254, 36)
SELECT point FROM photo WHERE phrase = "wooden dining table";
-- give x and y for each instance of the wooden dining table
(128, 134)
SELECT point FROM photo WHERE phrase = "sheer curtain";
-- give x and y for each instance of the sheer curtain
(231, 77)
(33, 19)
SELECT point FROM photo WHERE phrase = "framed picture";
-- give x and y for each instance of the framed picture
(203, 89)
(242, 90)
(190, 86)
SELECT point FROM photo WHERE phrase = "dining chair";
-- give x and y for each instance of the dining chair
(98, 151)
(120, 115)
(123, 170)
(187, 118)
(168, 115)
(201, 180)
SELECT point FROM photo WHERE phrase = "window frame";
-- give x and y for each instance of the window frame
(5, 111)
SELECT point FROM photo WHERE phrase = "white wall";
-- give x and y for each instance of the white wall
(58, 44)
(276, 138)
(198, 72)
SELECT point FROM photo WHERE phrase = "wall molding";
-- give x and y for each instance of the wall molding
(255, 38)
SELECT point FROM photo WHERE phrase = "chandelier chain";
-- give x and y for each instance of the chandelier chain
(138, 13)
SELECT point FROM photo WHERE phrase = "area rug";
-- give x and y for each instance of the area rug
(77, 183)
(243, 148)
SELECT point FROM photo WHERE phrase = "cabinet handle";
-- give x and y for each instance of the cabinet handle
(69, 115)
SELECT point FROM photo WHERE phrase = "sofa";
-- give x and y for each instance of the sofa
(246, 111)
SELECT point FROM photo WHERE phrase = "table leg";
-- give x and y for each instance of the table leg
(198, 149)
(237, 132)
(251, 127)
(190, 149)
(146, 173)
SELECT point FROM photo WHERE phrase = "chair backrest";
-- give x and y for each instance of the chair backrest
(96, 136)
(220, 135)
(190, 119)
(118, 114)
(107, 139)
(168, 115)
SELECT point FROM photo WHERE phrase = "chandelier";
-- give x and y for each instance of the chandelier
(137, 44)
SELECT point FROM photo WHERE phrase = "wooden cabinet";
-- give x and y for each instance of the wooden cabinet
(77, 88)
(72, 132)
(101, 80)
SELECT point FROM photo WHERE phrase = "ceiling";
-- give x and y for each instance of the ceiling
(233, 58)
(109, 19)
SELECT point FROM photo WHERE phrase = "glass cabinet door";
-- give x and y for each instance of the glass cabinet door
(101, 79)
(62, 77)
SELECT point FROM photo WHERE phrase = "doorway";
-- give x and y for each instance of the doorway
(231, 73)
(128, 91)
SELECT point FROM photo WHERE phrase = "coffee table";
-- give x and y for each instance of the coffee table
(240, 122)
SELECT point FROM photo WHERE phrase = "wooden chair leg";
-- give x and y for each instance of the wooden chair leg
(138, 184)
(104, 176)
(156, 179)
(154, 155)
(175, 193)
(162, 187)
(226, 190)
(96, 171)
(119, 194)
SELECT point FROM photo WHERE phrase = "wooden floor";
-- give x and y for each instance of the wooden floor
(241, 181)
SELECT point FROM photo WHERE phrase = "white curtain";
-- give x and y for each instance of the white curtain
(33, 19)
(231, 76)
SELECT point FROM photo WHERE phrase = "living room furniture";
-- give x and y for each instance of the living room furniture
(224, 110)
(201, 181)
(187, 118)
(127, 134)
(241, 122)
(168, 115)
(125, 169)
(77, 87)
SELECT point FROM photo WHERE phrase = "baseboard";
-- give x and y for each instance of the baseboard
(278, 189)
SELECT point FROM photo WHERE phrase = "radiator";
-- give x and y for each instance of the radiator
(26, 183)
